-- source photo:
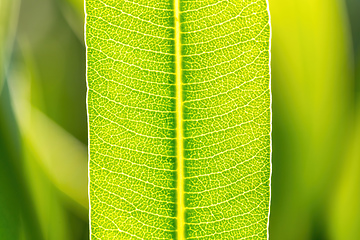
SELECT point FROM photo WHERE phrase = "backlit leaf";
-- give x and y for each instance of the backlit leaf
(179, 119)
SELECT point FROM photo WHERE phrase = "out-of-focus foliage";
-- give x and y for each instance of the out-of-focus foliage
(345, 207)
(43, 137)
(313, 110)
(8, 21)
(316, 120)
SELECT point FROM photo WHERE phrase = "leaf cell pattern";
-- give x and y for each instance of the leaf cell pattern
(131, 70)
(225, 48)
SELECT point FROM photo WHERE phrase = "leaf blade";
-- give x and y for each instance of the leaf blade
(142, 98)
(127, 155)
(227, 119)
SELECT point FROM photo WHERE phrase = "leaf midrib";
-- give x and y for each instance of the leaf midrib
(180, 218)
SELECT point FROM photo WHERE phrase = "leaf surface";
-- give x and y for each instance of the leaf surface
(179, 119)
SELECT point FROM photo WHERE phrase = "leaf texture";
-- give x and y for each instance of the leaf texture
(179, 119)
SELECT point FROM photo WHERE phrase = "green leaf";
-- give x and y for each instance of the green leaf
(179, 119)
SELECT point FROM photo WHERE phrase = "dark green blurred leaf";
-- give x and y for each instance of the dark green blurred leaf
(8, 23)
(56, 61)
(16, 208)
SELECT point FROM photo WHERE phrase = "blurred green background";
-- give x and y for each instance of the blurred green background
(316, 120)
